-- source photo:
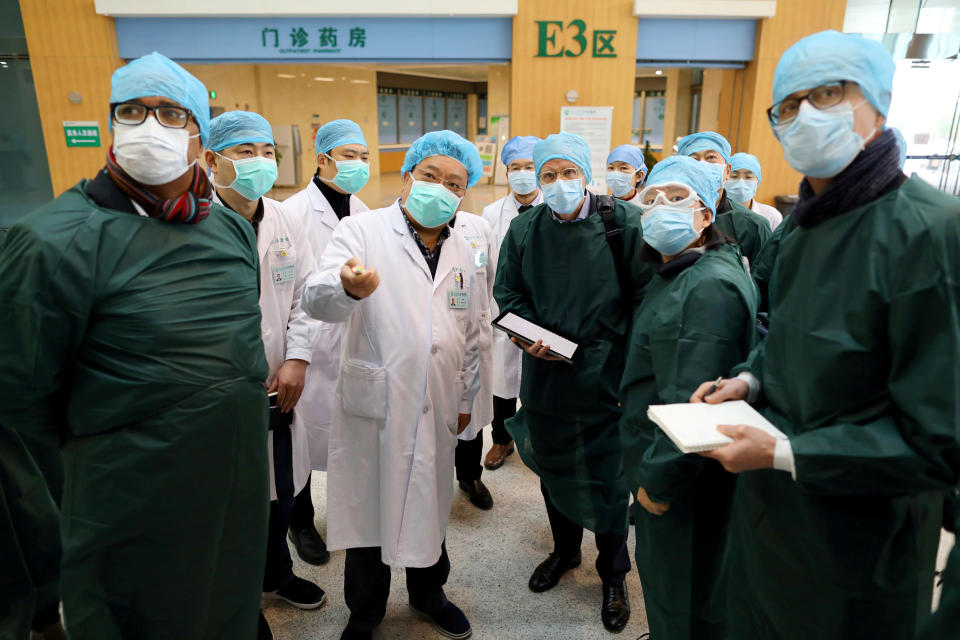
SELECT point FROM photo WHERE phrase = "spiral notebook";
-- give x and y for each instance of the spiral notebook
(693, 427)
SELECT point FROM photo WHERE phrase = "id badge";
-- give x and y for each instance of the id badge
(284, 273)
(459, 299)
(480, 259)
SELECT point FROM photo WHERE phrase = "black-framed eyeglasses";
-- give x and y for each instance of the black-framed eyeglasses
(823, 97)
(134, 113)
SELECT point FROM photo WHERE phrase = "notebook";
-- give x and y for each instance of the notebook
(526, 331)
(693, 427)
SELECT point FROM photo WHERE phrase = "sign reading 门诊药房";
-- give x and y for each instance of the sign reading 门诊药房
(81, 133)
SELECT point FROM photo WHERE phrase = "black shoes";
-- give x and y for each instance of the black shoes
(548, 573)
(263, 629)
(449, 621)
(356, 634)
(479, 494)
(615, 609)
(301, 593)
(309, 545)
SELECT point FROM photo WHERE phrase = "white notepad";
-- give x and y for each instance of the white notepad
(693, 427)
(517, 327)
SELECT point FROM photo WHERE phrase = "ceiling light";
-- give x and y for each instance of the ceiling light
(360, 81)
(286, 75)
(322, 79)
(659, 72)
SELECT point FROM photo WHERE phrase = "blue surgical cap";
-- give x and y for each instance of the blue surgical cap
(629, 154)
(702, 142)
(830, 56)
(238, 127)
(157, 75)
(902, 142)
(686, 170)
(518, 147)
(337, 133)
(566, 146)
(746, 161)
(445, 143)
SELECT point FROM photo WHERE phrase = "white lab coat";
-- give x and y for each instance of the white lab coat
(506, 355)
(635, 200)
(310, 209)
(409, 367)
(773, 216)
(476, 231)
(286, 262)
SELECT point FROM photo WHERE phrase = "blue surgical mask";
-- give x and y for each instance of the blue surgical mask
(431, 204)
(255, 176)
(351, 176)
(741, 190)
(820, 143)
(669, 229)
(522, 182)
(563, 196)
(620, 183)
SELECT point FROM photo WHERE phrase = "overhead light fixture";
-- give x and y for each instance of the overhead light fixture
(360, 81)
(286, 75)
(322, 79)
(659, 72)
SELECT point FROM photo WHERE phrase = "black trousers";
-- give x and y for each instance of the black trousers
(302, 515)
(613, 561)
(366, 585)
(467, 459)
(503, 410)
(279, 569)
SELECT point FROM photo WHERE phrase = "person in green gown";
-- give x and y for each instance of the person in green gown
(834, 531)
(558, 270)
(695, 322)
(745, 228)
(131, 343)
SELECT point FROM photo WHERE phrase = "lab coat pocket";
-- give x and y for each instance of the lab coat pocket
(363, 389)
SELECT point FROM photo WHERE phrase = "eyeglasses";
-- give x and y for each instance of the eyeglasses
(548, 177)
(823, 97)
(134, 113)
(427, 176)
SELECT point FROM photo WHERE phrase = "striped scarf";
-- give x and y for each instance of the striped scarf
(189, 208)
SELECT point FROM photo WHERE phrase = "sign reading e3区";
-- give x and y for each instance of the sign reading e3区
(576, 42)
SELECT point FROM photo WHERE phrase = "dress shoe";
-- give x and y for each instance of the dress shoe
(309, 545)
(356, 634)
(547, 574)
(615, 610)
(263, 629)
(497, 455)
(301, 593)
(479, 494)
(449, 621)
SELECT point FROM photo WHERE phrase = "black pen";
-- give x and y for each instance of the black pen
(713, 387)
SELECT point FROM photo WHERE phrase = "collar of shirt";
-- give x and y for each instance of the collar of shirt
(339, 202)
(428, 254)
(257, 215)
(532, 204)
(584, 211)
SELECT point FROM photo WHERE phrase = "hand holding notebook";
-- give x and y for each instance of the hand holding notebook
(693, 427)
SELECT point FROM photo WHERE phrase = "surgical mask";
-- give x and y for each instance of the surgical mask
(669, 229)
(351, 176)
(431, 204)
(717, 170)
(821, 143)
(741, 190)
(620, 183)
(563, 196)
(151, 153)
(255, 176)
(522, 182)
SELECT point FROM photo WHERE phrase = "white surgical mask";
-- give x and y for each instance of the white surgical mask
(821, 143)
(150, 152)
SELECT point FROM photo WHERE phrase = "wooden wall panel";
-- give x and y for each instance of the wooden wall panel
(71, 49)
(539, 84)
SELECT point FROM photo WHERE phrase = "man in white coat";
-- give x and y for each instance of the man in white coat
(476, 231)
(404, 284)
(240, 154)
(342, 170)
(517, 156)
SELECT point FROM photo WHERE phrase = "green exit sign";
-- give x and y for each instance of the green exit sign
(213, 95)
(79, 133)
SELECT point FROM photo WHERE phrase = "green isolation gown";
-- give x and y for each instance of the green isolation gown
(562, 276)
(762, 269)
(747, 229)
(693, 325)
(133, 345)
(860, 370)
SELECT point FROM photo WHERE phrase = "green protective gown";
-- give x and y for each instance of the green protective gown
(762, 268)
(136, 343)
(745, 228)
(562, 276)
(945, 623)
(692, 326)
(29, 539)
(860, 371)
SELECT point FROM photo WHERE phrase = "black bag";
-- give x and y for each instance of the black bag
(614, 235)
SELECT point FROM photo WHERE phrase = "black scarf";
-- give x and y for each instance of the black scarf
(874, 172)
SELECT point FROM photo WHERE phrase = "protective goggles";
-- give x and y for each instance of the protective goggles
(674, 194)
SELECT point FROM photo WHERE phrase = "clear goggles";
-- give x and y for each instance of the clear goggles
(675, 194)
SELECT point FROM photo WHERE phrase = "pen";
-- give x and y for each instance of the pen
(713, 387)
(358, 270)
